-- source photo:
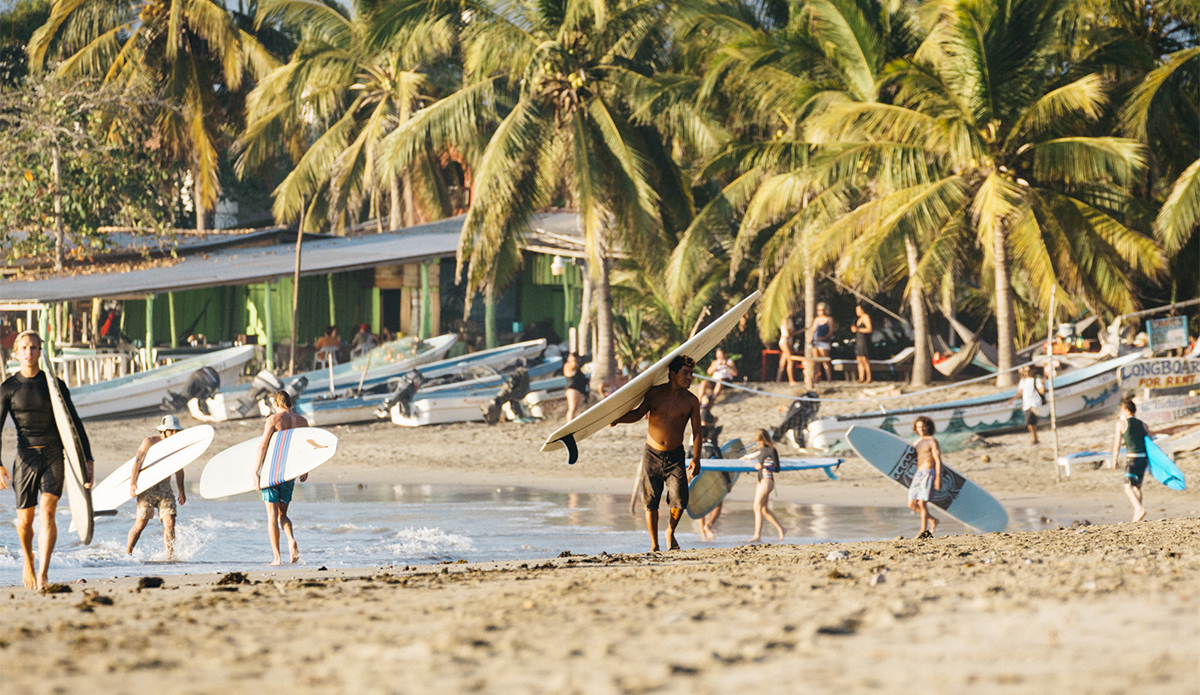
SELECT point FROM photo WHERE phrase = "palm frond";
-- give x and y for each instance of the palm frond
(1180, 215)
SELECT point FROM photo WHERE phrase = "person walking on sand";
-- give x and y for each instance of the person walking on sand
(279, 497)
(928, 476)
(862, 330)
(671, 406)
(767, 465)
(1030, 390)
(1134, 432)
(159, 497)
(38, 472)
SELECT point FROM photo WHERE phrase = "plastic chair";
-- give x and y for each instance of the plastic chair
(325, 357)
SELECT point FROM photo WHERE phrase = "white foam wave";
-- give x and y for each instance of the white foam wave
(207, 522)
(426, 542)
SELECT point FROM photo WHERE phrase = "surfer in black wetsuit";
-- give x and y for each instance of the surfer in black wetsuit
(38, 472)
(1133, 431)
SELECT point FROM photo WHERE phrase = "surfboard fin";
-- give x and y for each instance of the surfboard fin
(572, 449)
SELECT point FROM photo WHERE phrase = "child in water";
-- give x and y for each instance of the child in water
(928, 476)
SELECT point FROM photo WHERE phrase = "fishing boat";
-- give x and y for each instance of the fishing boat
(380, 364)
(143, 392)
(1081, 392)
(466, 402)
(323, 410)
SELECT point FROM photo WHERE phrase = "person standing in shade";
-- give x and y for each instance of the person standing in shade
(821, 331)
(39, 471)
(1030, 390)
(766, 462)
(160, 497)
(671, 406)
(279, 497)
(862, 330)
(721, 370)
(787, 359)
(928, 476)
(1133, 431)
(577, 385)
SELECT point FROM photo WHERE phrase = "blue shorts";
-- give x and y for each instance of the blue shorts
(279, 494)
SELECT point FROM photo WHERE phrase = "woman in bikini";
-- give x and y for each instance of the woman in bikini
(767, 464)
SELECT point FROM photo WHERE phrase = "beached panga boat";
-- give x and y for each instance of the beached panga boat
(1081, 392)
(143, 392)
(381, 363)
(323, 410)
(464, 403)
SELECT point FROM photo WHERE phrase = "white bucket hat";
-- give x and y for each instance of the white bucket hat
(170, 422)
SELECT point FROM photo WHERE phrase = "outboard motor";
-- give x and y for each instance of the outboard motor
(265, 383)
(296, 388)
(402, 394)
(201, 384)
(514, 389)
(795, 421)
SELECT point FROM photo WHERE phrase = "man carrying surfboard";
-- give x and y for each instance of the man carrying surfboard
(928, 476)
(39, 470)
(1134, 432)
(159, 497)
(671, 406)
(278, 497)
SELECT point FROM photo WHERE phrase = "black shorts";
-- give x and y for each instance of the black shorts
(1135, 470)
(862, 345)
(37, 471)
(664, 469)
(1031, 417)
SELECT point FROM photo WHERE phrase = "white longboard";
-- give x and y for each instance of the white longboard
(75, 466)
(162, 461)
(291, 454)
(896, 459)
(630, 395)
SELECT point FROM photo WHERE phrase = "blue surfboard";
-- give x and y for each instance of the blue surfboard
(1163, 468)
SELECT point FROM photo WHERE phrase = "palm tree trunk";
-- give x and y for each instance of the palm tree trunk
(396, 220)
(584, 334)
(1005, 324)
(916, 298)
(410, 211)
(605, 359)
(58, 215)
(810, 302)
(197, 201)
(489, 316)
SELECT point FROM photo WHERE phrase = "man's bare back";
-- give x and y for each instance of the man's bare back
(277, 422)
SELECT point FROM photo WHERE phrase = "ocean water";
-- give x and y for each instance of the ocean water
(347, 525)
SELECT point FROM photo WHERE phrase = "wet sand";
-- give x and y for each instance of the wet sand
(1106, 608)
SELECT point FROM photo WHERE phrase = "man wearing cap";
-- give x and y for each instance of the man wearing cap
(159, 497)
(38, 473)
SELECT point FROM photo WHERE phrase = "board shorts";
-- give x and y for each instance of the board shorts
(159, 497)
(1135, 469)
(921, 486)
(1031, 417)
(862, 345)
(663, 470)
(279, 494)
(37, 472)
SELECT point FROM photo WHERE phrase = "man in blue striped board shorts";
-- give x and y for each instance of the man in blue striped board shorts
(278, 497)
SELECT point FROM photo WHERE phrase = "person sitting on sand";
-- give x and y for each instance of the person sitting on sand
(767, 465)
(38, 473)
(671, 406)
(928, 476)
(278, 497)
(159, 497)
(721, 370)
(1134, 432)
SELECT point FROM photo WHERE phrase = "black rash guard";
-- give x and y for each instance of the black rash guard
(29, 402)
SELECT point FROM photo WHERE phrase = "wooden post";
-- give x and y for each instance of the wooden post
(1050, 351)
(148, 362)
(489, 316)
(171, 311)
(332, 306)
(97, 307)
(426, 313)
(269, 326)
(296, 294)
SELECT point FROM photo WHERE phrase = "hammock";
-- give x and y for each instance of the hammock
(986, 355)
(951, 366)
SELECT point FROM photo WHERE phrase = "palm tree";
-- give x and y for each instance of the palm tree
(545, 79)
(351, 89)
(981, 135)
(185, 54)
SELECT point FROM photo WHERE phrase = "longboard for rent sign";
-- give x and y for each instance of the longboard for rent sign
(1162, 373)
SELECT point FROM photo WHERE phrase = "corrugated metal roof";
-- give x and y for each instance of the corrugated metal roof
(250, 265)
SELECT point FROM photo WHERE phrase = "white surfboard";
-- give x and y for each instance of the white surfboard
(75, 465)
(162, 461)
(291, 454)
(630, 395)
(896, 459)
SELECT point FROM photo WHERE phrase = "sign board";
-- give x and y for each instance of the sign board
(1166, 409)
(1167, 334)
(1162, 373)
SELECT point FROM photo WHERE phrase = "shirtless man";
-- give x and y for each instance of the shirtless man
(278, 497)
(671, 407)
(160, 497)
(38, 473)
(928, 476)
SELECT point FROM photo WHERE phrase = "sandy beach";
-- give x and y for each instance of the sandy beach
(1087, 605)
